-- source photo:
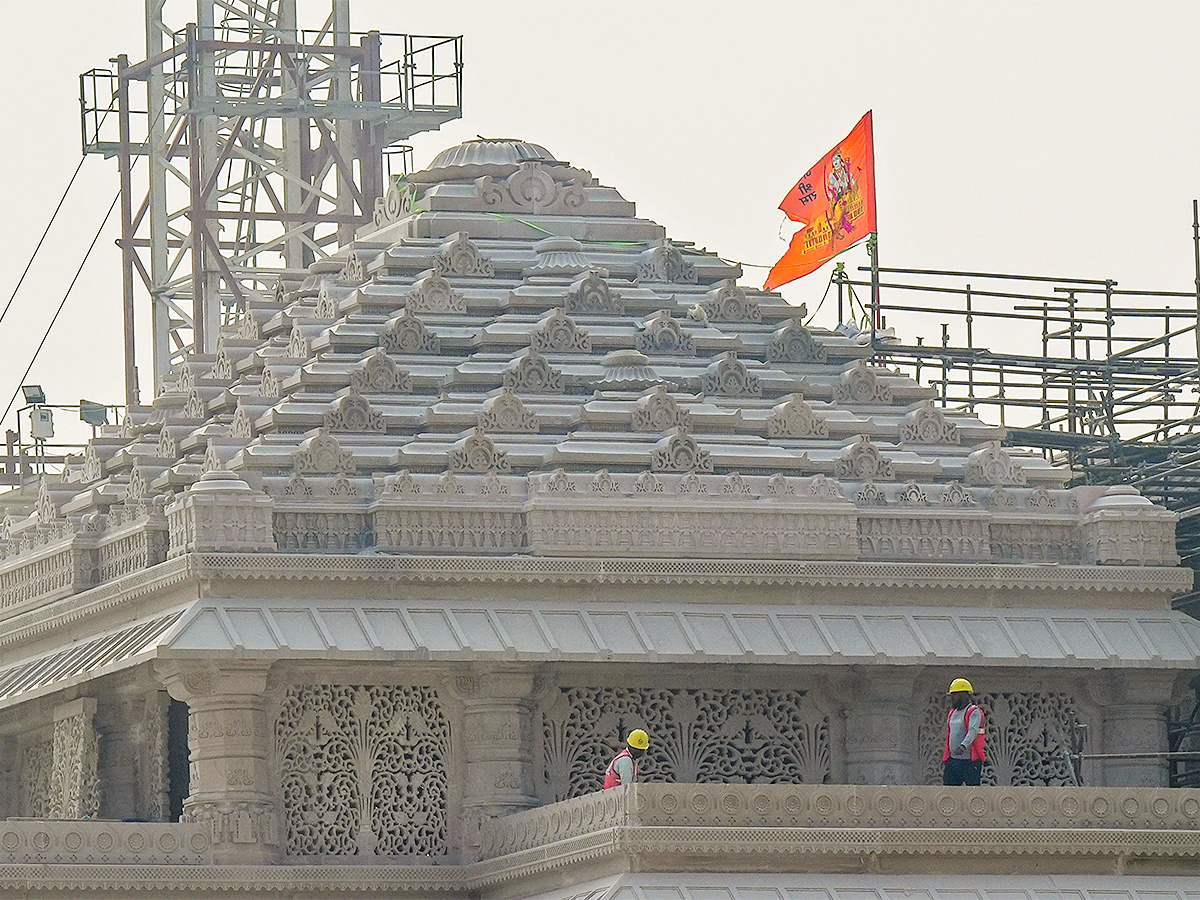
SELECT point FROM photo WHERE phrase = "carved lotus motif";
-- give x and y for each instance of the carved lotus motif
(656, 410)
(432, 293)
(460, 256)
(861, 384)
(478, 453)
(927, 424)
(353, 413)
(824, 488)
(794, 343)
(532, 373)
(734, 483)
(665, 264)
(647, 483)
(691, 484)
(662, 334)
(379, 374)
(321, 454)
(795, 418)
(506, 413)
(590, 294)
(992, 465)
(862, 461)
(406, 333)
(558, 332)
(727, 302)
(729, 377)
(532, 188)
(680, 452)
(957, 495)
(401, 483)
(604, 483)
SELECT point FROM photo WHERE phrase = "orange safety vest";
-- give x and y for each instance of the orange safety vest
(977, 754)
(611, 778)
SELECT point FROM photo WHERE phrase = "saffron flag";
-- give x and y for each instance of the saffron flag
(835, 201)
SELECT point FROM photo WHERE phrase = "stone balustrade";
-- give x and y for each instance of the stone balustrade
(1102, 825)
(61, 841)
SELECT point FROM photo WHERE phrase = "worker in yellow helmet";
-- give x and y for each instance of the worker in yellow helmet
(624, 768)
(963, 758)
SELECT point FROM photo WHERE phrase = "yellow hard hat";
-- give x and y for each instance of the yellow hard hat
(960, 684)
(638, 739)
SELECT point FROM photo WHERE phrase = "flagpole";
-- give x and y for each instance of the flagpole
(873, 252)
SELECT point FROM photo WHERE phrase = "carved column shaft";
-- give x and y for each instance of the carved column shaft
(878, 733)
(1136, 728)
(231, 787)
(499, 756)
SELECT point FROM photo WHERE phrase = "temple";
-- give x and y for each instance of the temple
(364, 602)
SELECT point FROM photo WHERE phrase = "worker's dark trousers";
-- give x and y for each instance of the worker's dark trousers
(961, 771)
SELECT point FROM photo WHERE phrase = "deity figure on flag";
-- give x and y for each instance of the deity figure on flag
(835, 204)
(841, 190)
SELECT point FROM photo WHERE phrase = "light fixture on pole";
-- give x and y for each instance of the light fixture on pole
(34, 395)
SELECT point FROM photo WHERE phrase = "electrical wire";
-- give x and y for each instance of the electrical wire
(62, 304)
(42, 239)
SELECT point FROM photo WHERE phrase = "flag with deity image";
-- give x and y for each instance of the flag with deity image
(835, 202)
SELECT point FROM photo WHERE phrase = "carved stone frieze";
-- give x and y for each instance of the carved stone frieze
(861, 384)
(1033, 541)
(661, 334)
(379, 374)
(534, 187)
(729, 377)
(406, 333)
(505, 413)
(908, 534)
(558, 332)
(74, 782)
(795, 343)
(352, 412)
(460, 256)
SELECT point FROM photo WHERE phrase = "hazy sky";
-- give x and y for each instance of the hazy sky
(1045, 137)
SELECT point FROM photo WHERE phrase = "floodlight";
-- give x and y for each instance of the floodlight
(34, 395)
(93, 413)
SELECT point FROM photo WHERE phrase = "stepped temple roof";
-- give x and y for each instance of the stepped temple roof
(510, 341)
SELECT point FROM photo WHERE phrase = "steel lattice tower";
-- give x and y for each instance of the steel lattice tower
(264, 147)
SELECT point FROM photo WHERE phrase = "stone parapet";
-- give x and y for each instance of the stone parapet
(58, 842)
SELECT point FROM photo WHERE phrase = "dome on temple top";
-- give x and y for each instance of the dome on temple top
(483, 156)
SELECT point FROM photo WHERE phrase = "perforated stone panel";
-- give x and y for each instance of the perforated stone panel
(753, 736)
(363, 771)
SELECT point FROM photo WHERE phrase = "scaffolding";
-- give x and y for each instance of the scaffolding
(265, 146)
(1109, 385)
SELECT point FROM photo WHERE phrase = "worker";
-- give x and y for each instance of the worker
(624, 768)
(963, 758)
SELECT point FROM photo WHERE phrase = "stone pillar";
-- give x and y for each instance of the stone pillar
(879, 729)
(118, 719)
(231, 787)
(74, 782)
(498, 709)
(1135, 722)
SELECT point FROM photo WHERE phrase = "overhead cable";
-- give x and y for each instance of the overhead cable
(63, 303)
